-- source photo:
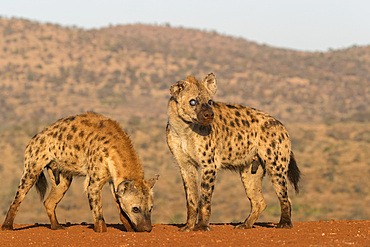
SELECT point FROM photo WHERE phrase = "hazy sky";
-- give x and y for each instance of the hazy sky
(313, 25)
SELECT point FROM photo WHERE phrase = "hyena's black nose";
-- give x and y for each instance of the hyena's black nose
(208, 115)
(205, 115)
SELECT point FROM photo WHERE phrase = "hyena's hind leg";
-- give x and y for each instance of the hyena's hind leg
(56, 194)
(29, 177)
(280, 184)
(251, 177)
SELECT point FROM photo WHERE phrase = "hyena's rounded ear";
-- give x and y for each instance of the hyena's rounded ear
(152, 181)
(210, 83)
(126, 187)
(177, 88)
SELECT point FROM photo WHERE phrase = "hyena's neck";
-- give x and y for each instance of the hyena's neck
(124, 164)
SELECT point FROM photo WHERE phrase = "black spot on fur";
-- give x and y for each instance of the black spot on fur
(268, 151)
(207, 172)
(237, 113)
(69, 137)
(245, 123)
(74, 129)
(68, 119)
(232, 124)
(81, 134)
(205, 186)
(86, 123)
(231, 107)
(89, 135)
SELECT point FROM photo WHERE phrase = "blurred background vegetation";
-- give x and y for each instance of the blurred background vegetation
(125, 72)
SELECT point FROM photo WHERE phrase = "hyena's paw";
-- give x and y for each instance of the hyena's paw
(57, 227)
(186, 228)
(285, 225)
(100, 227)
(6, 227)
(203, 228)
(243, 226)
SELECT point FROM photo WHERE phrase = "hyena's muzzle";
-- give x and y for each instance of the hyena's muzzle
(205, 115)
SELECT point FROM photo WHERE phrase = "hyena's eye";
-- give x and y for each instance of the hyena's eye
(136, 210)
(210, 102)
(192, 102)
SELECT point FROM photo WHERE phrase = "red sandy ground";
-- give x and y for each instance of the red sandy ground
(322, 233)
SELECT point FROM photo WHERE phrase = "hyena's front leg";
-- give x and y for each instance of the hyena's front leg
(189, 177)
(206, 190)
(94, 195)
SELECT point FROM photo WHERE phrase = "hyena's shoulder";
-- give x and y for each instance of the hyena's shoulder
(238, 112)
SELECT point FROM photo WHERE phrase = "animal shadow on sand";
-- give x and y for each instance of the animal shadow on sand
(255, 225)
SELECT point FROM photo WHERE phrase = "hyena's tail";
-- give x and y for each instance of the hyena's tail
(294, 174)
(41, 185)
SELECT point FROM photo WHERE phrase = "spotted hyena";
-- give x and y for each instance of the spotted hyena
(207, 136)
(93, 146)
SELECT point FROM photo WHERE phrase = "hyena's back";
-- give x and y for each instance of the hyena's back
(73, 144)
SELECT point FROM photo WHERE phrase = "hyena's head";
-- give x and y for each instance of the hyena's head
(136, 201)
(194, 99)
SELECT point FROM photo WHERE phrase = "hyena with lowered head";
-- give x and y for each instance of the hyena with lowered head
(206, 136)
(96, 147)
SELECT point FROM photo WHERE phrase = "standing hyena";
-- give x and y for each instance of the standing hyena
(209, 136)
(96, 147)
